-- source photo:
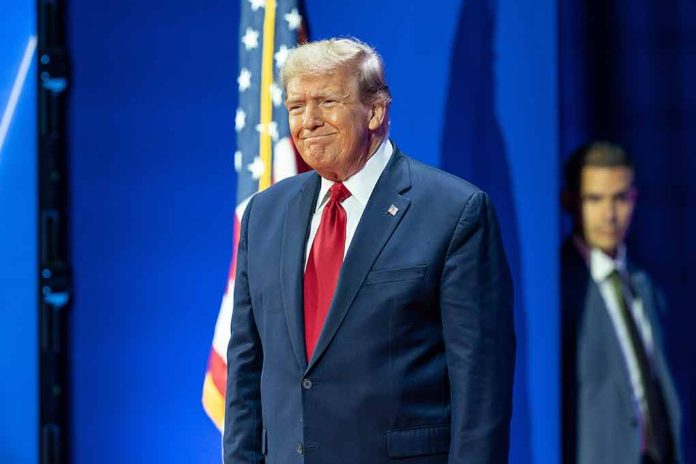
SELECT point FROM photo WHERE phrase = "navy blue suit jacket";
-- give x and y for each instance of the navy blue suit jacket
(417, 353)
(600, 422)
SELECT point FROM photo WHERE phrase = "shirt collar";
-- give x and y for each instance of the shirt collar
(601, 265)
(362, 183)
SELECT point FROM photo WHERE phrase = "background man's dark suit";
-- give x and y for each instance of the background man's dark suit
(416, 356)
(599, 419)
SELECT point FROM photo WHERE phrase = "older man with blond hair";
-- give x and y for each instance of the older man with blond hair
(373, 303)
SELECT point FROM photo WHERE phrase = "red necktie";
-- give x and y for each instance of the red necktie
(324, 264)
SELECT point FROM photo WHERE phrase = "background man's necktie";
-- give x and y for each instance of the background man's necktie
(657, 425)
(324, 265)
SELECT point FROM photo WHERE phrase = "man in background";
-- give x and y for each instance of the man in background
(619, 401)
(373, 303)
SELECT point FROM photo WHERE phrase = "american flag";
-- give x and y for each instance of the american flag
(265, 153)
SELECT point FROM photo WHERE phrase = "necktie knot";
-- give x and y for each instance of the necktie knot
(617, 281)
(615, 276)
(339, 192)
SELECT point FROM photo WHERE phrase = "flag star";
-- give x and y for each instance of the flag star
(256, 168)
(239, 120)
(238, 160)
(271, 129)
(244, 79)
(294, 19)
(238, 157)
(250, 39)
(256, 4)
(281, 55)
(276, 94)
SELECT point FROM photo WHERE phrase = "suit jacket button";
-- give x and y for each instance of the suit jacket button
(299, 448)
(307, 384)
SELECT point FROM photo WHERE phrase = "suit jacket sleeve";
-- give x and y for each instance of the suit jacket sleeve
(243, 426)
(476, 300)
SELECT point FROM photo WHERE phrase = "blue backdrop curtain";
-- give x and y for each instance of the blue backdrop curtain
(152, 143)
(475, 85)
(628, 74)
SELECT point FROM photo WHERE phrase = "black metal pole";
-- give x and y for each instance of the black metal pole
(55, 285)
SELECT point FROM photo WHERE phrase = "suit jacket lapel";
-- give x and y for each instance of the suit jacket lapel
(641, 289)
(594, 319)
(297, 219)
(644, 290)
(374, 230)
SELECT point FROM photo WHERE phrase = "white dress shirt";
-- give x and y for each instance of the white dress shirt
(361, 184)
(601, 267)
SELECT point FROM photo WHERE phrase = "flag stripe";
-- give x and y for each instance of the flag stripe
(265, 152)
(266, 81)
(213, 402)
(218, 371)
(221, 338)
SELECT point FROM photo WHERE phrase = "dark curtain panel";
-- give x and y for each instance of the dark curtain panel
(628, 74)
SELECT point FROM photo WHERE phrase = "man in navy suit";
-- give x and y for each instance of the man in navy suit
(373, 314)
(619, 401)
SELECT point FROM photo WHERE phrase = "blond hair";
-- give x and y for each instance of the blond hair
(332, 55)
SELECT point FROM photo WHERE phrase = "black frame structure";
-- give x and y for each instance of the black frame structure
(55, 282)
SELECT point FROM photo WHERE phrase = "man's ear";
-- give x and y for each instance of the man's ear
(378, 112)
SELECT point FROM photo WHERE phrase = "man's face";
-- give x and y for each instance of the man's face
(607, 199)
(332, 128)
